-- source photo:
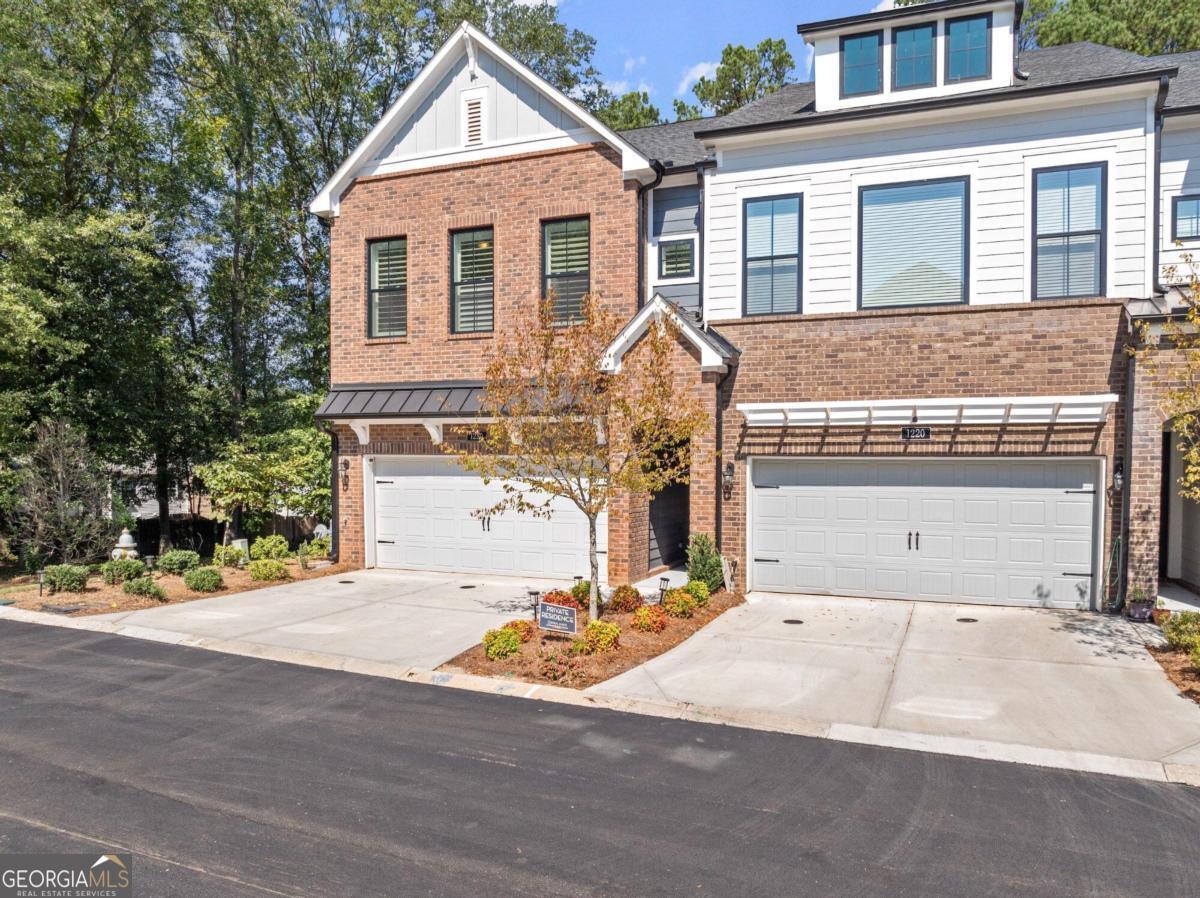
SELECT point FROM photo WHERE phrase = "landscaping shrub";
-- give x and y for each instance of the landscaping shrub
(598, 637)
(319, 546)
(1195, 659)
(558, 597)
(498, 644)
(66, 577)
(203, 579)
(178, 560)
(269, 547)
(699, 591)
(704, 562)
(228, 556)
(121, 569)
(558, 666)
(523, 628)
(625, 599)
(582, 590)
(267, 569)
(650, 619)
(145, 586)
(1182, 630)
(679, 603)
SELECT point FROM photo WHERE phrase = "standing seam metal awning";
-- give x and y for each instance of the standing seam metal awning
(1091, 409)
(449, 399)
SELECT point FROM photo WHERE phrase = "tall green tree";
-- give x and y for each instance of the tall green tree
(745, 74)
(631, 110)
(1148, 27)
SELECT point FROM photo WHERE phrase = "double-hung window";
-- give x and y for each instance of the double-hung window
(862, 64)
(913, 56)
(968, 48)
(387, 288)
(913, 243)
(1068, 227)
(566, 266)
(772, 240)
(1185, 218)
(472, 285)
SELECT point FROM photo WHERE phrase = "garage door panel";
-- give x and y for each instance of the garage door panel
(1001, 532)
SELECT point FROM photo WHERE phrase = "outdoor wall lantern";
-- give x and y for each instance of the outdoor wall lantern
(727, 479)
(1118, 476)
(345, 473)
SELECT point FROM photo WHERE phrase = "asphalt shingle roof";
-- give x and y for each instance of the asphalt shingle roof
(1185, 87)
(674, 144)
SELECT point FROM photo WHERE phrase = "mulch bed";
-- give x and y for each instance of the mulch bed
(1178, 667)
(636, 648)
(101, 598)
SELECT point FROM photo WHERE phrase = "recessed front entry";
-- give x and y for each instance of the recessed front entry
(424, 521)
(1002, 531)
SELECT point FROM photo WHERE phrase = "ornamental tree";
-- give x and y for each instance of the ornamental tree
(562, 428)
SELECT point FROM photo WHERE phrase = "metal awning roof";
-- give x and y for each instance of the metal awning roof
(952, 410)
(435, 399)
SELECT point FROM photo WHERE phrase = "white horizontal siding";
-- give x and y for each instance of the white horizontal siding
(997, 153)
(1180, 175)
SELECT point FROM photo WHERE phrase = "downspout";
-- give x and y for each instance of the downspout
(334, 527)
(642, 190)
(700, 166)
(1018, 73)
(1155, 240)
(1118, 600)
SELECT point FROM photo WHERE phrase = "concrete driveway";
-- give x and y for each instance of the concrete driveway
(1064, 681)
(399, 617)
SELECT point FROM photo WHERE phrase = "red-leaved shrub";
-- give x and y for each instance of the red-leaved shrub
(625, 599)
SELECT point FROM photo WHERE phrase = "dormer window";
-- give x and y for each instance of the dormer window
(913, 56)
(862, 64)
(968, 48)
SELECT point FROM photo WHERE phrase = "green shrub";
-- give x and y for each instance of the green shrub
(679, 603)
(269, 547)
(145, 586)
(625, 599)
(319, 546)
(203, 579)
(267, 569)
(1195, 659)
(650, 619)
(598, 637)
(699, 591)
(178, 560)
(228, 556)
(121, 569)
(523, 628)
(704, 562)
(1182, 629)
(501, 643)
(582, 590)
(67, 577)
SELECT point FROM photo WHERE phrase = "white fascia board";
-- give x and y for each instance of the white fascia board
(466, 38)
(1086, 409)
(635, 329)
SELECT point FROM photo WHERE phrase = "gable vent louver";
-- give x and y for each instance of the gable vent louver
(474, 121)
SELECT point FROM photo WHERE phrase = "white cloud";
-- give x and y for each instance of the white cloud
(632, 63)
(884, 4)
(536, 2)
(694, 74)
(617, 87)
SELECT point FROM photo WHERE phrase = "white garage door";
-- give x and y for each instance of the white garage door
(998, 532)
(423, 521)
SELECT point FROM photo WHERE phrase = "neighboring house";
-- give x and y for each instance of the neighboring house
(904, 291)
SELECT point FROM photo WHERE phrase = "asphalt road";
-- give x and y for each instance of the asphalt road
(230, 776)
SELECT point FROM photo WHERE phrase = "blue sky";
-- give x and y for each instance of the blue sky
(662, 46)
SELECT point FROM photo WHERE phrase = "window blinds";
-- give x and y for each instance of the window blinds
(473, 285)
(1069, 209)
(772, 276)
(566, 254)
(389, 288)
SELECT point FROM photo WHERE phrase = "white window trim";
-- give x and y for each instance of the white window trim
(1058, 158)
(465, 97)
(774, 187)
(655, 242)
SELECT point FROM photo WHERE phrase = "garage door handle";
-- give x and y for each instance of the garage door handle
(379, 482)
(918, 540)
(910, 540)
(386, 542)
(768, 560)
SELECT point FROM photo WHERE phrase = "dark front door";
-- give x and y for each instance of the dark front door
(669, 526)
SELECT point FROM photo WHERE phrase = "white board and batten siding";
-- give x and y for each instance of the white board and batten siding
(1180, 176)
(997, 152)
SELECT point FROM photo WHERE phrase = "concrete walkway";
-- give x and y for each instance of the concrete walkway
(1060, 681)
(399, 617)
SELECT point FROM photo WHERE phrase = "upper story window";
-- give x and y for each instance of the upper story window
(771, 275)
(913, 56)
(1185, 218)
(387, 288)
(862, 64)
(676, 259)
(913, 244)
(566, 266)
(472, 271)
(1068, 228)
(968, 48)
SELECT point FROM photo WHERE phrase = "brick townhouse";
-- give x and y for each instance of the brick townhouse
(905, 291)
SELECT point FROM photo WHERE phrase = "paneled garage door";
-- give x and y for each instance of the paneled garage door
(999, 532)
(423, 521)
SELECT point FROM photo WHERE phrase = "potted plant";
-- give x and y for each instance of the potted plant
(1138, 607)
(1161, 611)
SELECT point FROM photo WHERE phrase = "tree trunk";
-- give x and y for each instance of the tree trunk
(162, 492)
(594, 592)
